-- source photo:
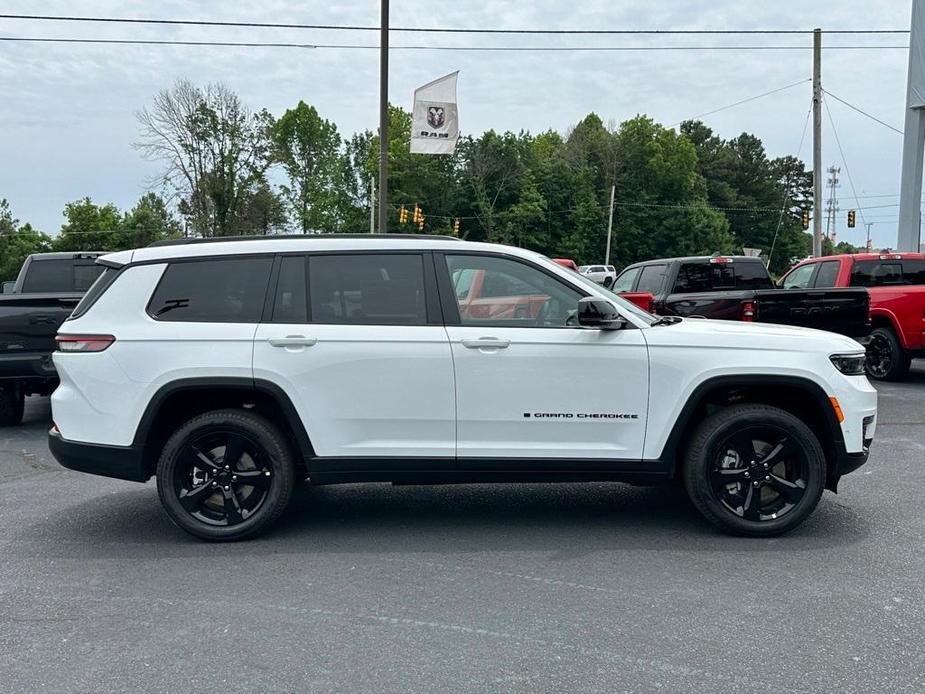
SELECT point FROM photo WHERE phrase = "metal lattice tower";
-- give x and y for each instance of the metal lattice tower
(831, 205)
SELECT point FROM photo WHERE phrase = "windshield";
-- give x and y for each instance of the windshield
(622, 303)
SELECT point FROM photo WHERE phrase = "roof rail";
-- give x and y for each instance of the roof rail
(303, 237)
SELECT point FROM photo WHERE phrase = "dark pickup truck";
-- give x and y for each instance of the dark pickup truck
(740, 288)
(48, 288)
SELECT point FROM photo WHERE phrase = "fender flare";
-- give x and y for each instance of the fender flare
(834, 447)
(230, 383)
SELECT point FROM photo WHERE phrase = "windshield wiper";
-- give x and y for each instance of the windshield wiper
(667, 320)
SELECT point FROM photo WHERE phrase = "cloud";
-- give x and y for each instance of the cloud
(67, 114)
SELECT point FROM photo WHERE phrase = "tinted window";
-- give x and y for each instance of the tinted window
(914, 271)
(367, 289)
(751, 275)
(879, 273)
(624, 283)
(508, 293)
(876, 273)
(828, 273)
(800, 278)
(291, 304)
(213, 291)
(49, 276)
(106, 278)
(650, 279)
(85, 274)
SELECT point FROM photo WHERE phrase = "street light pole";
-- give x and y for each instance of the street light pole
(384, 117)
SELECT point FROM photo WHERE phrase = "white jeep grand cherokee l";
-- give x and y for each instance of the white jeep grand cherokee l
(230, 369)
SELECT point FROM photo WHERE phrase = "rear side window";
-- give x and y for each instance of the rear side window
(227, 290)
(102, 283)
(367, 289)
(650, 279)
(828, 273)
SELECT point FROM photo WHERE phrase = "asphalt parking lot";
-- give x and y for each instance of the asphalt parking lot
(376, 588)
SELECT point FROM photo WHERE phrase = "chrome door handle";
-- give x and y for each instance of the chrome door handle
(486, 343)
(293, 341)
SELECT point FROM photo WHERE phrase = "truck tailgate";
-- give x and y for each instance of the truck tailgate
(844, 311)
(29, 322)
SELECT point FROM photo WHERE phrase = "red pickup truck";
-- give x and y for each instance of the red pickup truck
(896, 283)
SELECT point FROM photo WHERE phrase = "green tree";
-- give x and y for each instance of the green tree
(17, 242)
(663, 207)
(308, 148)
(90, 227)
(762, 198)
(216, 152)
(150, 220)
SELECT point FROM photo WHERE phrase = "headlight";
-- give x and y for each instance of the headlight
(849, 364)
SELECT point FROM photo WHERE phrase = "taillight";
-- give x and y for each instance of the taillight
(748, 311)
(83, 343)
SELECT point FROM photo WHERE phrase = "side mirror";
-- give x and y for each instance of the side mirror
(599, 314)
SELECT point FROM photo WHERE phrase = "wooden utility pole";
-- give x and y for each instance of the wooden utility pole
(384, 117)
(817, 143)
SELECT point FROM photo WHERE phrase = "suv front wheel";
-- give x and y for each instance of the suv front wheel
(225, 475)
(754, 470)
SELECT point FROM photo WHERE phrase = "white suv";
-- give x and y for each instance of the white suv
(231, 368)
(602, 274)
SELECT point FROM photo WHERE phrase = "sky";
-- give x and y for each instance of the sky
(68, 111)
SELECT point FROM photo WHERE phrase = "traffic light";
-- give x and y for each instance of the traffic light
(421, 221)
(403, 215)
(456, 227)
(852, 219)
(416, 218)
(805, 220)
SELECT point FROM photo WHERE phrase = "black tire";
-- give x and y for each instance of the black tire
(608, 282)
(724, 468)
(218, 500)
(886, 358)
(12, 404)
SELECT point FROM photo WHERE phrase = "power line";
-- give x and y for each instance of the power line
(863, 113)
(844, 161)
(442, 30)
(346, 46)
(743, 101)
(783, 207)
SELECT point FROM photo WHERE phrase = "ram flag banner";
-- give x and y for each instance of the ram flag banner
(435, 118)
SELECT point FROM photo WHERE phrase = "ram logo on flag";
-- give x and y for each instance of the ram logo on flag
(435, 119)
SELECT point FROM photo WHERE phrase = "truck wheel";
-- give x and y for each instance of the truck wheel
(225, 475)
(886, 358)
(12, 403)
(608, 282)
(754, 470)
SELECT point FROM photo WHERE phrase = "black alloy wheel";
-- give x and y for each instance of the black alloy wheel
(225, 475)
(754, 470)
(221, 477)
(759, 474)
(886, 359)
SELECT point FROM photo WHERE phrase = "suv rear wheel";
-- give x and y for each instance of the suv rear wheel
(225, 475)
(754, 470)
